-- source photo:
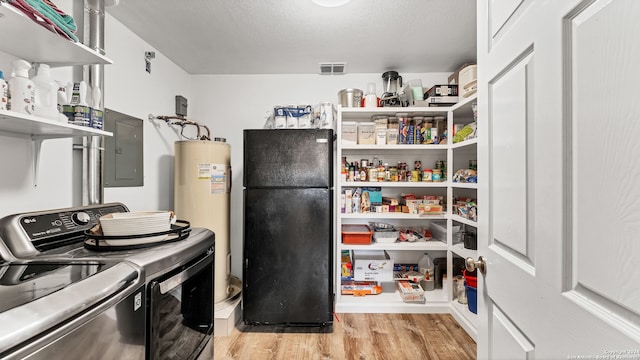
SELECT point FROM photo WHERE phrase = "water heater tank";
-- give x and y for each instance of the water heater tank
(202, 187)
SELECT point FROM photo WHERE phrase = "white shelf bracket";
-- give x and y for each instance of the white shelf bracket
(36, 145)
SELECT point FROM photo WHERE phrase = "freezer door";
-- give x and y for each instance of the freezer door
(287, 259)
(288, 158)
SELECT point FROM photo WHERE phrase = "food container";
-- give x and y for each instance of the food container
(384, 233)
(468, 80)
(356, 234)
(367, 133)
(349, 133)
(439, 232)
(350, 97)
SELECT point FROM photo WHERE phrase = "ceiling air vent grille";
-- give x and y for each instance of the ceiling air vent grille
(332, 68)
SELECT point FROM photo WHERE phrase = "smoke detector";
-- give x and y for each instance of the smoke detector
(335, 68)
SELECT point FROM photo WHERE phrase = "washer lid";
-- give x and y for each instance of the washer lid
(40, 294)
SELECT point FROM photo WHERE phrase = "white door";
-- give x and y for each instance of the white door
(559, 196)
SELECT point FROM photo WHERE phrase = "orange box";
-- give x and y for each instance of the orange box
(356, 234)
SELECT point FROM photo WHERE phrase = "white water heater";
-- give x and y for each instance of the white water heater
(202, 189)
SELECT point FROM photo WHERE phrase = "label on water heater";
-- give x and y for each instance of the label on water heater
(204, 171)
(218, 178)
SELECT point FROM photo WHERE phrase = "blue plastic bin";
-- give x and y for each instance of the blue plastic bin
(472, 299)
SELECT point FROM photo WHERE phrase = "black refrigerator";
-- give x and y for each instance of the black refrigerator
(288, 227)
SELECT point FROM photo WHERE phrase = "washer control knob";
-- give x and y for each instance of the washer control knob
(81, 218)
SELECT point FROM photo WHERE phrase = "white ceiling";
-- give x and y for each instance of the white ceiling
(294, 36)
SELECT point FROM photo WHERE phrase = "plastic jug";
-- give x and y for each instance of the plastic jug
(425, 267)
(21, 89)
(46, 96)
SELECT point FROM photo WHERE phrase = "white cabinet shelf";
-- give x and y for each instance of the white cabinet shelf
(467, 143)
(432, 245)
(34, 43)
(396, 216)
(464, 253)
(465, 221)
(399, 184)
(17, 125)
(465, 185)
(389, 301)
(31, 42)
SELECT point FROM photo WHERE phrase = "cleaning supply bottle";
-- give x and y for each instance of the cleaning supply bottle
(4, 92)
(46, 99)
(425, 267)
(21, 88)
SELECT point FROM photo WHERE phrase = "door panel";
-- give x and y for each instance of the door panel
(507, 340)
(509, 101)
(605, 151)
(557, 217)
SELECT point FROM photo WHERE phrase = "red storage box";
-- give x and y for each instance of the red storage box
(356, 234)
(470, 279)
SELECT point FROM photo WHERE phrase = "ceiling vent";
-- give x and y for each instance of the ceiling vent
(337, 68)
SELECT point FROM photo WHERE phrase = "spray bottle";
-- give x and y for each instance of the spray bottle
(21, 89)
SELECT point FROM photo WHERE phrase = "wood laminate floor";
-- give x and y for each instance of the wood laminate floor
(354, 336)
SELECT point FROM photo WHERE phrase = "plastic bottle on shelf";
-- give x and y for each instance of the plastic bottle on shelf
(425, 267)
(21, 88)
(46, 95)
(4, 92)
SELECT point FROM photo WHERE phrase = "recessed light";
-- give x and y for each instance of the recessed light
(330, 3)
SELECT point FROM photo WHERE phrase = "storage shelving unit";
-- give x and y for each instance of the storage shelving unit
(39, 45)
(389, 300)
(460, 154)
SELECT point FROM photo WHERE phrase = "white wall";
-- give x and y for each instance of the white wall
(129, 89)
(229, 104)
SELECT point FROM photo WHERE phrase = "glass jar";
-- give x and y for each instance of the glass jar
(393, 174)
(427, 175)
(437, 175)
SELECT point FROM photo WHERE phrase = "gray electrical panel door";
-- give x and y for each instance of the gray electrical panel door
(123, 152)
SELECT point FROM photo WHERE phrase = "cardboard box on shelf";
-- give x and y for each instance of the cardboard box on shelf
(372, 265)
(410, 292)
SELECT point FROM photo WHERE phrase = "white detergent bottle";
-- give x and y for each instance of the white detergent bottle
(21, 88)
(46, 99)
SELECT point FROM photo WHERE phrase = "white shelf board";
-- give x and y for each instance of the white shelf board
(466, 319)
(460, 219)
(462, 144)
(464, 185)
(434, 245)
(13, 124)
(398, 184)
(465, 103)
(403, 147)
(358, 113)
(389, 301)
(42, 46)
(394, 215)
(463, 252)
